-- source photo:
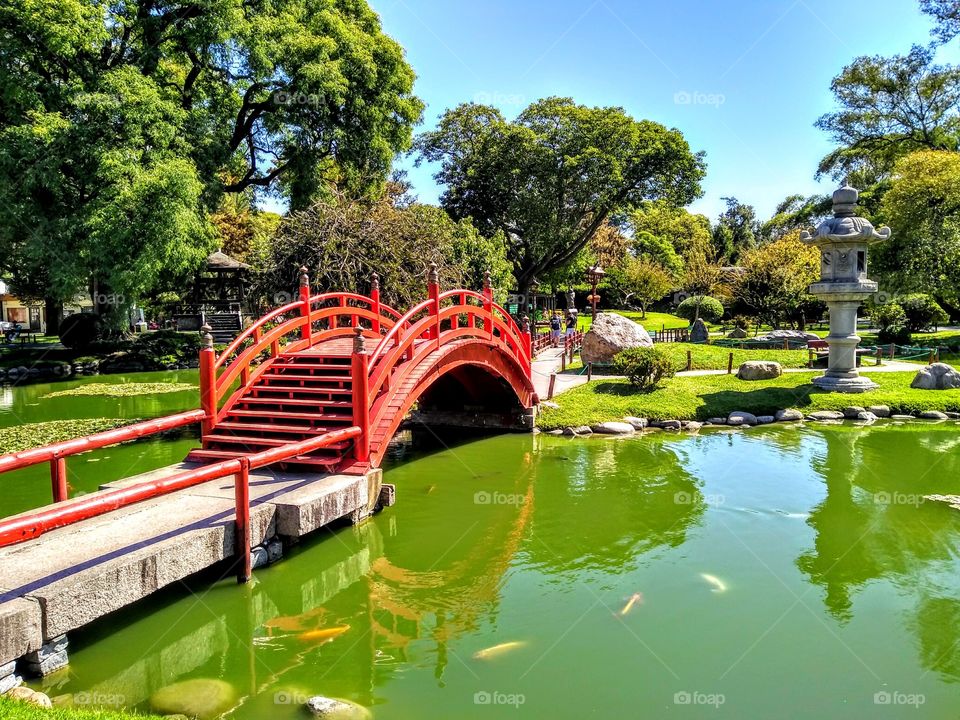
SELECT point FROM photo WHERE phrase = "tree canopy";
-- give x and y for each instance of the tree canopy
(342, 241)
(735, 231)
(685, 231)
(553, 177)
(922, 208)
(946, 13)
(123, 123)
(890, 107)
(776, 277)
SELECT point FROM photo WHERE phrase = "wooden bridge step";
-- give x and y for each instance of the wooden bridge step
(303, 389)
(280, 428)
(345, 378)
(257, 441)
(287, 415)
(280, 400)
(213, 455)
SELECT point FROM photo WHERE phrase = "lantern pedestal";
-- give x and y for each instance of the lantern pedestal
(843, 241)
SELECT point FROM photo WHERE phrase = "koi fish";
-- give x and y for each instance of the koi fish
(718, 584)
(296, 623)
(635, 599)
(430, 489)
(324, 635)
(497, 650)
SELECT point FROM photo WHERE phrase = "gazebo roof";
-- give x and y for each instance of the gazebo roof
(221, 261)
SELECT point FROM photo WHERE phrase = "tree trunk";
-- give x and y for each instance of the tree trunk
(53, 309)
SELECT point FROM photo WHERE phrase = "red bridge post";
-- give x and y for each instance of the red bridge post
(58, 478)
(208, 382)
(307, 331)
(487, 303)
(433, 293)
(242, 541)
(375, 297)
(361, 405)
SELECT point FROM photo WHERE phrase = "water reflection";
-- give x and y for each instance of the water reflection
(874, 525)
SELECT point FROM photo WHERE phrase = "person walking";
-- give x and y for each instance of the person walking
(571, 324)
(555, 325)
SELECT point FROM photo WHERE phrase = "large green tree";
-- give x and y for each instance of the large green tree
(890, 107)
(554, 176)
(342, 240)
(686, 231)
(735, 231)
(922, 208)
(123, 123)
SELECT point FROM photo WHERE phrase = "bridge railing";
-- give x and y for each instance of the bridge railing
(32, 525)
(293, 327)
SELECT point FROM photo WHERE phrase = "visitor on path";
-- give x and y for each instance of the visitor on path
(555, 325)
(571, 324)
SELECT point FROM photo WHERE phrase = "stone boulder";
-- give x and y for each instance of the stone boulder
(739, 417)
(853, 411)
(609, 335)
(765, 419)
(737, 334)
(699, 332)
(789, 415)
(826, 415)
(201, 698)
(933, 415)
(29, 696)
(759, 370)
(336, 709)
(938, 376)
(781, 335)
(881, 411)
(612, 428)
(637, 423)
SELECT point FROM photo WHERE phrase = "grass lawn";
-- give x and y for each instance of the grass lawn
(712, 357)
(653, 320)
(702, 397)
(13, 710)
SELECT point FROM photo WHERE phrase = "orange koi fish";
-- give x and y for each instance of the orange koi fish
(635, 599)
(324, 635)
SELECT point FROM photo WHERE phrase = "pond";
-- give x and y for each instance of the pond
(777, 572)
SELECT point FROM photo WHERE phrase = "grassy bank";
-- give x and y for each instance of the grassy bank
(14, 710)
(702, 397)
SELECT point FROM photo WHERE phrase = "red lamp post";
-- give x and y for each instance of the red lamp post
(595, 274)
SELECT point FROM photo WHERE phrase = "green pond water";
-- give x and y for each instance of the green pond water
(780, 572)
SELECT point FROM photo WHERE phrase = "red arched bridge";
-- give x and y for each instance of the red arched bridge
(323, 382)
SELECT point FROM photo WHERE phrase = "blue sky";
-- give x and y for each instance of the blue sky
(744, 80)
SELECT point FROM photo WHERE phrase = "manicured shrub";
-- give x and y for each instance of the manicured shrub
(891, 322)
(922, 312)
(711, 309)
(81, 330)
(645, 367)
(741, 321)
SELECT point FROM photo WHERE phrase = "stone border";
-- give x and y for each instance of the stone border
(863, 415)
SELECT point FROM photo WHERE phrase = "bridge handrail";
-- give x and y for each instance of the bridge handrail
(506, 317)
(65, 448)
(403, 323)
(32, 525)
(250, 331)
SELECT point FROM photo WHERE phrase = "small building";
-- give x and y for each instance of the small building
(32, 314)
(218, 297)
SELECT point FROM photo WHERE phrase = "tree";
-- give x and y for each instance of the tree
(553, 177)
(123, 123)
(641, 280)
(686, 232)
(735, 231)
(658, 251)
(775, 278)
(701, 278)
(890, 107)
(793, 212)
(947, 15)
(342, 241)
(922, 208)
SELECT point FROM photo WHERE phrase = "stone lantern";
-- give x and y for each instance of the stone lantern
(843, 241)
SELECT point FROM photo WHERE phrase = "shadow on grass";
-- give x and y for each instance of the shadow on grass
(762, 401)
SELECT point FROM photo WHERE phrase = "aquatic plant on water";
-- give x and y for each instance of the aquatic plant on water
(122, 389)
(22, 437)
